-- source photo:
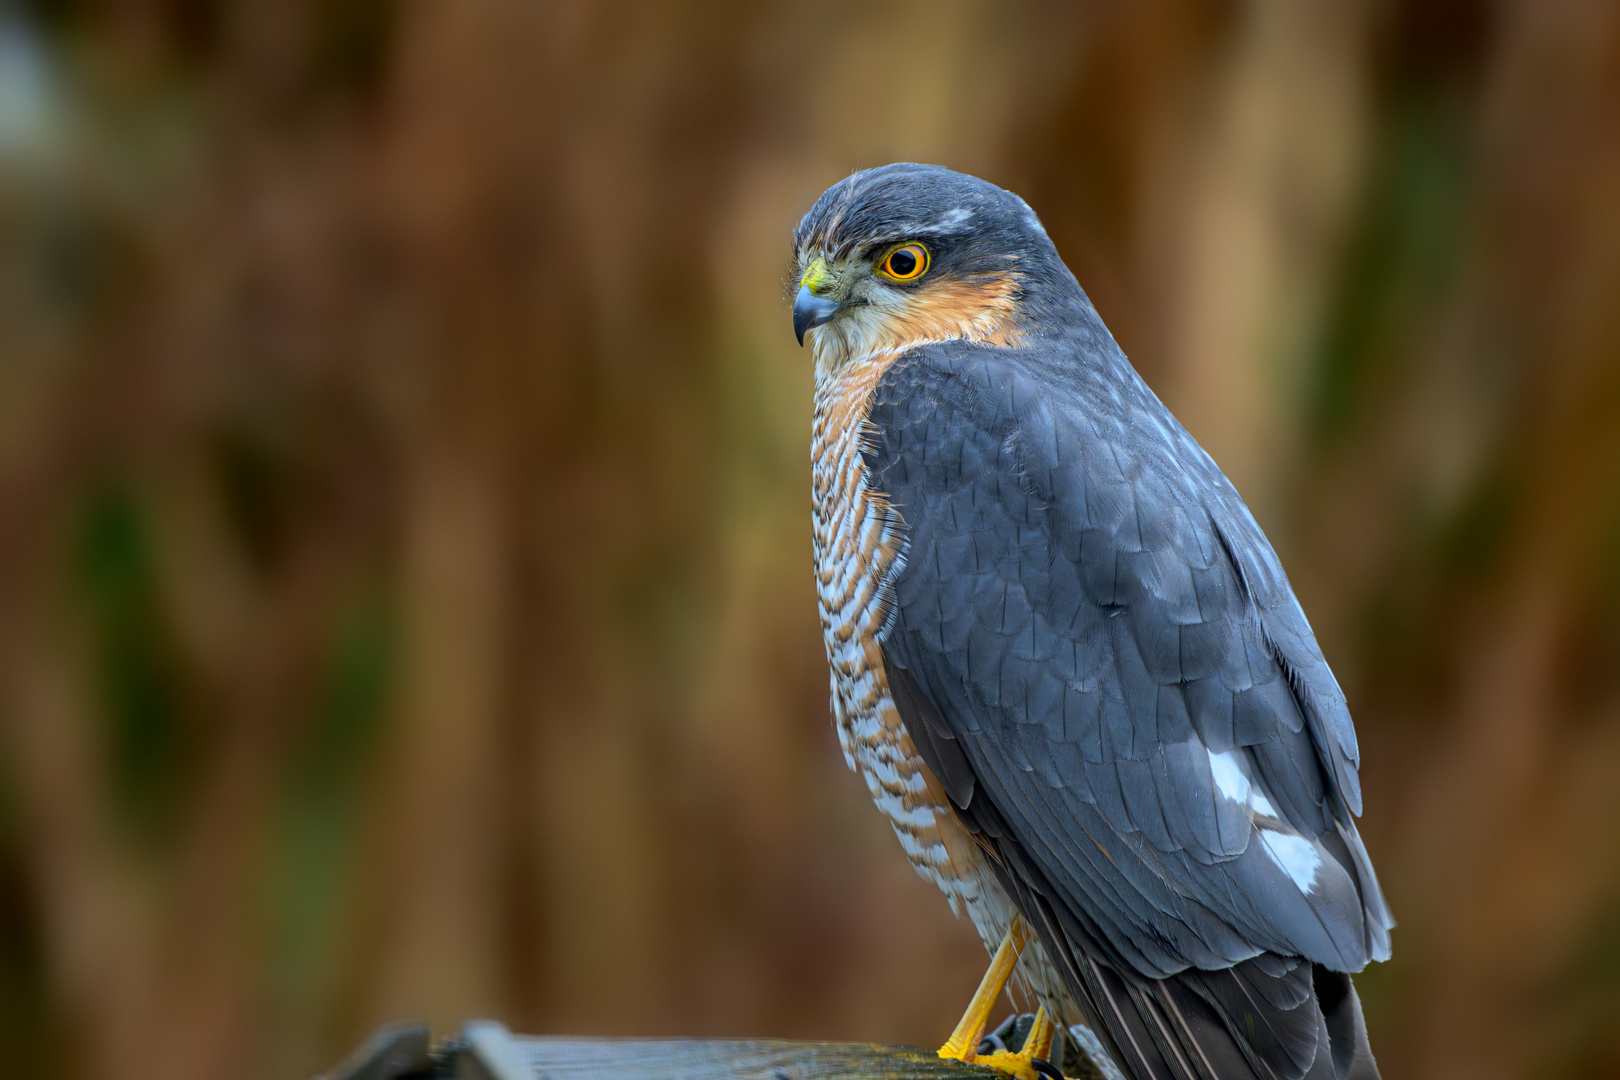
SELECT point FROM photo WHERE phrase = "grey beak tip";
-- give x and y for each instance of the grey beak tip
(810, 310)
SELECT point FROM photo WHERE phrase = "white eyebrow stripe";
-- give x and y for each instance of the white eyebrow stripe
(952, 220)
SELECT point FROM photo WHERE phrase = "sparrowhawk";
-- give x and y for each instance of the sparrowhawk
(1066, 660)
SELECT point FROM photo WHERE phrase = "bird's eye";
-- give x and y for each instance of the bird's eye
(906, 262)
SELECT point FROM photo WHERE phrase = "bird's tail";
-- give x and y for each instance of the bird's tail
(1269, 1018)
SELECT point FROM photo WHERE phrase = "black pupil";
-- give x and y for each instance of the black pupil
(902, 263)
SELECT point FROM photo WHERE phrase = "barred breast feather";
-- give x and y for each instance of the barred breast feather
(857, 546)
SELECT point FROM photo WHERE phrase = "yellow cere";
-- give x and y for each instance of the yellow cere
(817, 277)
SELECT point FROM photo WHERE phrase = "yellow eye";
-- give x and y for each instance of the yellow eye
(908, 262)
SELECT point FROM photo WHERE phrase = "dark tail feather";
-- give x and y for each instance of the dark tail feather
(1137, 1036)
(1152, 1032)
(1112, 1010)
(1269, 1002)
(1162, 1030)
(1269, 1018)
(1297, 1021)
(1346, 1027)
(1205, 1036)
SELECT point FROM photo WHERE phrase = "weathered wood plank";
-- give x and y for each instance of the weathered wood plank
(485, 1050)
(752, 1059)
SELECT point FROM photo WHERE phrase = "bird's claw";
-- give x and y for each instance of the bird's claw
(1030, 1061)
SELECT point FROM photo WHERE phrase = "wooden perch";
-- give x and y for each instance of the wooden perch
(487, 1051)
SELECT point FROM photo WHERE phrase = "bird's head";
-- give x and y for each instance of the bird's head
(904, 255)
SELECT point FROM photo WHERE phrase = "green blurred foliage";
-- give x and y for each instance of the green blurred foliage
(151, 747)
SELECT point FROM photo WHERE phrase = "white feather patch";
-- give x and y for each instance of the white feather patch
(1295, 855)
(1230, 781)
(1228, 774)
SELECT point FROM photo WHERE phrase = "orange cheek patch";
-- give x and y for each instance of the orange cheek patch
(980, 309)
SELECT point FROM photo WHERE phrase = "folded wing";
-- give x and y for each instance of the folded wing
(1109, 671)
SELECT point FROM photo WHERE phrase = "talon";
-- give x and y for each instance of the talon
(1030, 1062)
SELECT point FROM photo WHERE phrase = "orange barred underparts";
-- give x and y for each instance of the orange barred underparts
(857, 545)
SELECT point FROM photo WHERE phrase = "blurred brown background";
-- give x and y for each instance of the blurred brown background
(405, 594)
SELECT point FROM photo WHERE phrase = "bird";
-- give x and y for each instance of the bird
(1065, 659)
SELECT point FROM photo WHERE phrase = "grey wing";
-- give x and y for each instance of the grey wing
(1090, 627)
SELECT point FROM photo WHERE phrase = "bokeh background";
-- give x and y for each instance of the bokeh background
(405, 594)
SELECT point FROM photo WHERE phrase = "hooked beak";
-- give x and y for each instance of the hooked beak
(810, 310)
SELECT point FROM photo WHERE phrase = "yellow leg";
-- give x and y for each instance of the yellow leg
(965, 1039)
